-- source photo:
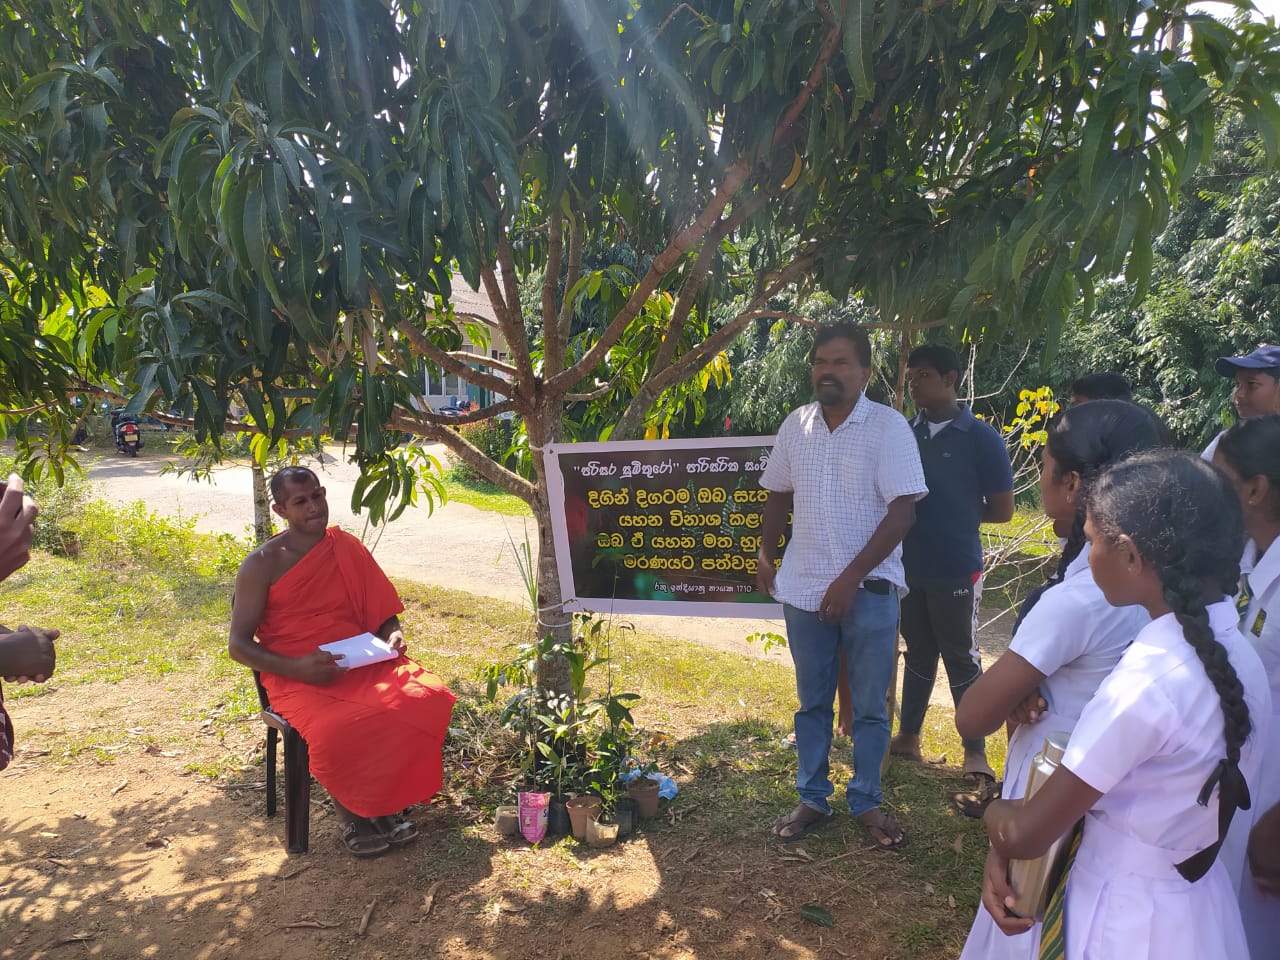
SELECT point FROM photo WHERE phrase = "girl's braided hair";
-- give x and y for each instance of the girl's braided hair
(1086, 439)
(1185, 520)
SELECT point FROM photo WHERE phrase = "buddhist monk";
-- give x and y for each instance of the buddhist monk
(374, 732)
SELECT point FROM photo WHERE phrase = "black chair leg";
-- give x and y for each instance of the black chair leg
(297, 793)
(271, 771)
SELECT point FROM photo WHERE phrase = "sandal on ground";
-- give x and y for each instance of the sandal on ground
(799, 823)
(973, 803)
(361, 839)
(396, 829)
(978, 772)
(882, 829)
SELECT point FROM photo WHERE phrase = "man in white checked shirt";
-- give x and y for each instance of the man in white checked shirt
(848, 470)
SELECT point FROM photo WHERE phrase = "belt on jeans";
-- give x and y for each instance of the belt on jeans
(877, 585)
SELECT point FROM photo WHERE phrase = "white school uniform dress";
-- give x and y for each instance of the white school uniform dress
(1261, 627)
(1075, 638)
(1148, 741)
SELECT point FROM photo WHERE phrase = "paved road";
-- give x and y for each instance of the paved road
(456, 546)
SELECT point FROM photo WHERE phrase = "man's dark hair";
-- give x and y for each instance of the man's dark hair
(1102, 386)
(936, 355)
(843, 330)
(290, 475)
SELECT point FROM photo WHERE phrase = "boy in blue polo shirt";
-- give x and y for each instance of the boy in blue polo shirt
(970, 480)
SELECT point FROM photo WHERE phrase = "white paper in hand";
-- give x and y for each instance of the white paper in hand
(361, 650)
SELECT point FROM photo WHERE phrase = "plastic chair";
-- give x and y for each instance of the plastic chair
(297, 774)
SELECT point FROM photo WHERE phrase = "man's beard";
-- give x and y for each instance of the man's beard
(830, 393)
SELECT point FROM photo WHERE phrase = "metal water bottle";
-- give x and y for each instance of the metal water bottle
(1030, 879)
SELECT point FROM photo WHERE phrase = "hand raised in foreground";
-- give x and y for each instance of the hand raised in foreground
(17, 516)
(27, 655)
(319, 667)
(998, 895)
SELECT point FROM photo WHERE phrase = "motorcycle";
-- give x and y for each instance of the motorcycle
(128, 436)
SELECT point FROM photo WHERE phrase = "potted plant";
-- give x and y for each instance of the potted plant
(644, 791)
(559, 749)
(582, 811)
(601, 834)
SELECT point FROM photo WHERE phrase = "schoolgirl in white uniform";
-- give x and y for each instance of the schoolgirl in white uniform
(1068, 638)
(1249, 453)
(1169, 746)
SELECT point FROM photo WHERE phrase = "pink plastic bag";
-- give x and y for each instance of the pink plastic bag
(533, 815)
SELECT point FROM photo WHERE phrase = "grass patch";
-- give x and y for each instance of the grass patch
(483, 496)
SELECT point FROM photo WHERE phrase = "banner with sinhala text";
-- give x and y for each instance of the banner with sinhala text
(661, 526)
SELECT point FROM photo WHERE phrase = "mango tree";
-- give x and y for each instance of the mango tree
(254, 213)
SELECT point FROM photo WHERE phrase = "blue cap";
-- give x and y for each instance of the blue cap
(1266, 357)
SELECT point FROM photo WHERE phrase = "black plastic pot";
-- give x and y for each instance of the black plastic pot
(558, 816)
(624, 815)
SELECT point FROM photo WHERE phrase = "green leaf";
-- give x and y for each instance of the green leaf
(859, 43)
(815, 913)
(256, 236)
(233, 74)
(244, 11)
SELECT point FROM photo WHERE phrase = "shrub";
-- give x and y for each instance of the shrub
(130, 535)
(61, 507)
(493, 438)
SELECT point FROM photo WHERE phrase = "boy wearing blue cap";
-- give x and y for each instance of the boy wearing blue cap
(1257, 377)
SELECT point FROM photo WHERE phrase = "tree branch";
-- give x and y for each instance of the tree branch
(467, 452)
(698, 357)
(480, 358)
(735, 177)
(782, 132)
(425, 348)
(663, 263)
(506, 316)
(577, 232)
(553, 352)
(696, 277)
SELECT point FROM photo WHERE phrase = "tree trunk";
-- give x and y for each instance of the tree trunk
(262, 526)
(549, 616)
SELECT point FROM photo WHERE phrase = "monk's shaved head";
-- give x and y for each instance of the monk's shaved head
(290, 475)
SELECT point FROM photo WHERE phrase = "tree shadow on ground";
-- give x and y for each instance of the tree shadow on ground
(171, 866)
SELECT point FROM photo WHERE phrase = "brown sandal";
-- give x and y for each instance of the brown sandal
(799, 823)
(882, 829)
(362, 843)
(974, 803)
(396, 829)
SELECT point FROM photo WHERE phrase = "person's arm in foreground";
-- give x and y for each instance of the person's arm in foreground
(27, 654)
(776, 510)
(996, 696)
(17, 517)
(1025, 829)
(1264, 852)
(897, 520)
(252, 583)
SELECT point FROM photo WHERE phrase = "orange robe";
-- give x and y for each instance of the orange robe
(375, 734)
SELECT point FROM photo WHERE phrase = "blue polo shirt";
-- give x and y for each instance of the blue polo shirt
(963, 462)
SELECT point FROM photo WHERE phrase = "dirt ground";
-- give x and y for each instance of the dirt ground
(123, 852)
(127, 854)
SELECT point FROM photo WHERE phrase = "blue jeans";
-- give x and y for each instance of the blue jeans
(868, 636)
